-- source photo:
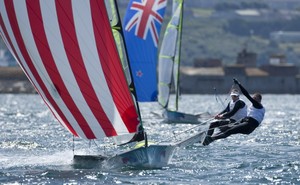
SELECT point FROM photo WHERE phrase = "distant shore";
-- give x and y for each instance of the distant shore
(13, 80)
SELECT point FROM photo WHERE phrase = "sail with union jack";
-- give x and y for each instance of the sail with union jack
(142, 24)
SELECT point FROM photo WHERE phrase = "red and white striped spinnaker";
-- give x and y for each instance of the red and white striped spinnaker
(67, 50)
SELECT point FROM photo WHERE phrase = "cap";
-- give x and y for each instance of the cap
(234, 92)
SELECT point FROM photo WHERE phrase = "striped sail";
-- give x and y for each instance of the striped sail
(68, 52)
(169, 56)
(142, 24)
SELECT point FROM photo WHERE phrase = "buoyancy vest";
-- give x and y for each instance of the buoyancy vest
(257, 114)
(241, 113)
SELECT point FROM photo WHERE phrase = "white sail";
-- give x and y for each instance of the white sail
(169, 55)
(168, 70)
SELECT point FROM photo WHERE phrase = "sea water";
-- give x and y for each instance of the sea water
(36, 149)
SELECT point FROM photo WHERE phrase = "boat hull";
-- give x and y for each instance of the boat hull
(153, 156)
(180, 117)
(88, 161)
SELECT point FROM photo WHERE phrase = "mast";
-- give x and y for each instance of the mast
(118, 27)
(178, 56)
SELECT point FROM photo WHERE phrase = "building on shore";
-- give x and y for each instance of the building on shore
(206, 77)
(277, 77)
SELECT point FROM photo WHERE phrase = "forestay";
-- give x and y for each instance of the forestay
(67, 50)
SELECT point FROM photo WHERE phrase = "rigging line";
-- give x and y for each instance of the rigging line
(73, 145)
(203, 123)
(180, 133)
(95, 143)
(218, 99)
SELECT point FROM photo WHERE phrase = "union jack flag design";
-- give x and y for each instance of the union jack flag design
(142, 25)
(146, 18)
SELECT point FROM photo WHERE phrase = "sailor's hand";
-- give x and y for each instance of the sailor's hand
(235, 81)
(218, 116)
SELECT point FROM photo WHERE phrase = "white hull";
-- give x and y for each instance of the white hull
(153, 156)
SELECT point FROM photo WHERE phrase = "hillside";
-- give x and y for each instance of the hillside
(219, 30)
(212, 33)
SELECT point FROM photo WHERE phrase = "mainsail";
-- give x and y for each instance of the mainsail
(68, 52)
(169, 56)
(142, 24)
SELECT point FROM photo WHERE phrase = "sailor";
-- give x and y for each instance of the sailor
(235, 110)
(255, 115)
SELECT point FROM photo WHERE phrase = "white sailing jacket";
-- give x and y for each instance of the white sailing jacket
(241, 113)
(257, 114)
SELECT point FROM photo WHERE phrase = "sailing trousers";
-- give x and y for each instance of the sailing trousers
(223, 125)
(246, 126)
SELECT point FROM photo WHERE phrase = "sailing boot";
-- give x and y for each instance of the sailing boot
(207, 140)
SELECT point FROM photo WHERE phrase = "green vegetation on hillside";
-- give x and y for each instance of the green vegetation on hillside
(205, 37)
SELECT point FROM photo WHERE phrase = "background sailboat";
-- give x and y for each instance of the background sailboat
(168, 68)
(68, 52)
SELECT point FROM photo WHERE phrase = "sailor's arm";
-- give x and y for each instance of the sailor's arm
(238, 105)
(245, 92)
(219, 116)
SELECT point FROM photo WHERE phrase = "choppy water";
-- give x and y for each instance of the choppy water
(35, 149)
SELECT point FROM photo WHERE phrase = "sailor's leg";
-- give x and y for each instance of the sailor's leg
(242, 128)
(212, 128)
(216, 124)
(225, 125)
(208, 139)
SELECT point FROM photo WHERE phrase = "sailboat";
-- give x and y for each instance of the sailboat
(168, 67)
(69, 53)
